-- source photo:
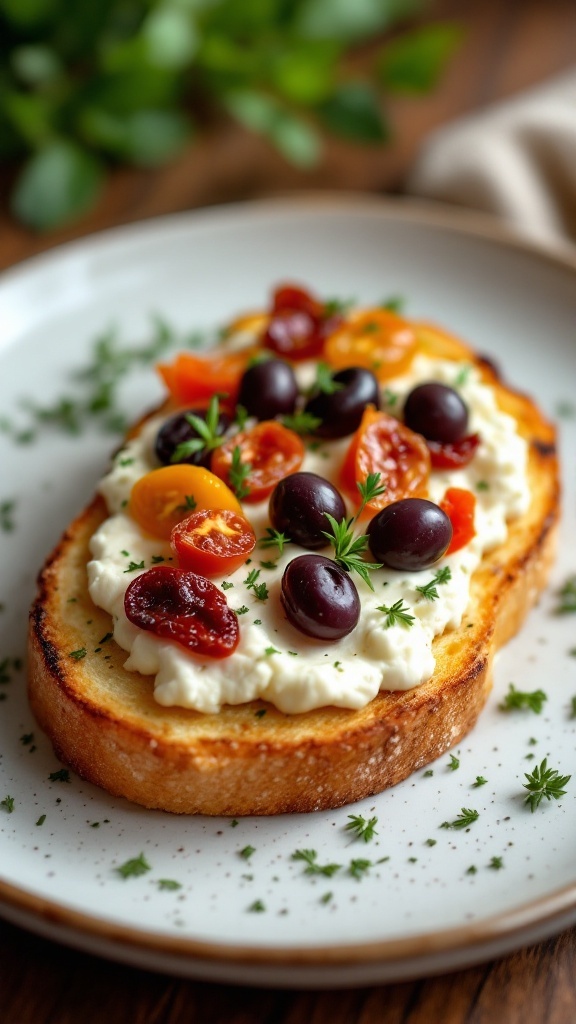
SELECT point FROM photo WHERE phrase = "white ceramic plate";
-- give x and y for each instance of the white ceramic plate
(421, 910)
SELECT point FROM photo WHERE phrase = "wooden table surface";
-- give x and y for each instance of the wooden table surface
(508, 46)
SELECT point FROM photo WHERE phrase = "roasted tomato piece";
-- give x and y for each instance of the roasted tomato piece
(384, 445)
(298, 323)
(459, 505)
(377, 339)
(454, 455)
(191, 378)
(184, 607)
(253, 461)
(293, 296)
(213, 542)
(163, 497)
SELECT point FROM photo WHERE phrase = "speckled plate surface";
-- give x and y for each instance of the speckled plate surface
(431, 899)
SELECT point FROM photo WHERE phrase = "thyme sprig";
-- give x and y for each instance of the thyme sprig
(312, 867)
(348, 549)
(238, 474)
(533, 701)
(274, 538)
(463, 820)
(544, 782)
(207, 430)
(396, 614)
(429, 590)
(363, 829)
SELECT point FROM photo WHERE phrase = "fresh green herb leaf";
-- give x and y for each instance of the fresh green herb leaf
(238, 474)
(240, 417)
(324, 382)
(334, 306)
(274, 538)
(79, 654)
(134, 867)
(482, 485)
(359, 867)
(544, 782)
(349, 549)
(454, 763)
(209, 435)
(268, 565)
(428, 590)
(62, 775)
(188, 506)
(302, 422)
(7, 516)
(567, 596)
(573, 708)
(413, 62)
(395, 303)
(8, 803)
(327, 897)
(258, 907)
(271, 650)
(496, 863)
(227, 585)
(472, 870)
(259, 589)
(462, 376)
(396, 615)
(462, 820)
(517, 699)
(431, 842)
(135, 566)
(312, 867)
(246, 852)
(169, 884)
(371, 488)
(363, 829)
(242, 610)
(480, 781)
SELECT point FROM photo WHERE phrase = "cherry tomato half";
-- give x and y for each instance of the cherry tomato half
(213, 542)
(195, 379)
(163, 497)
(183, 607)
(298, 324)
(377, 339)
(253, 461)
(459, 505)
(384, 445)
(453, 455)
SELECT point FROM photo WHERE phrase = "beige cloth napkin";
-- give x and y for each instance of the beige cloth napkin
(516, 160)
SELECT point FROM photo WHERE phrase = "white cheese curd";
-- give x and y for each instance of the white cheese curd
(273, 660)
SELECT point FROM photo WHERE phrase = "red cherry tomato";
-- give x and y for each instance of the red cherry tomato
(454, 455)
(459, 505)
(298, 324)
(183, 607)
(292, 296)
(213, 542)
(253, 461)
(384, 445)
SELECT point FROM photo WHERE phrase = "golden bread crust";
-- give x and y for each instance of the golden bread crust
(104, 722)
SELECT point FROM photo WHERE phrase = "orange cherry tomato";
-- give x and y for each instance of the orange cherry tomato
(163, 497)
(384, 445)
(376, 339)
(459, 505)
(191, 378)
(213, 542)
(253, 461)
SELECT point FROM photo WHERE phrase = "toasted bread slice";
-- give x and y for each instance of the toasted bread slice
(104, 722)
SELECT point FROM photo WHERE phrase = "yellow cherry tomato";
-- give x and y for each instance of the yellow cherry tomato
(165, 496)
(436, 342)
(376, 339)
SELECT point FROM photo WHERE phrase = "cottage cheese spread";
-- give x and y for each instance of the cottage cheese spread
(273, 660)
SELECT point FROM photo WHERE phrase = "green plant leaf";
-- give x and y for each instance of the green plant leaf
(354, 112)
(35, 64)
(306, 72)
(414, 62)
(146, 137)
(352, 20)
(294, 137)
(27, 13)
(59, 183)
(31, 116)
(170, 37)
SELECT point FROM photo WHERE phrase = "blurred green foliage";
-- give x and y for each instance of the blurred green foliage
(86, 83)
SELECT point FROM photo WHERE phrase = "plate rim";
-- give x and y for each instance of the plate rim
(511, 925)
